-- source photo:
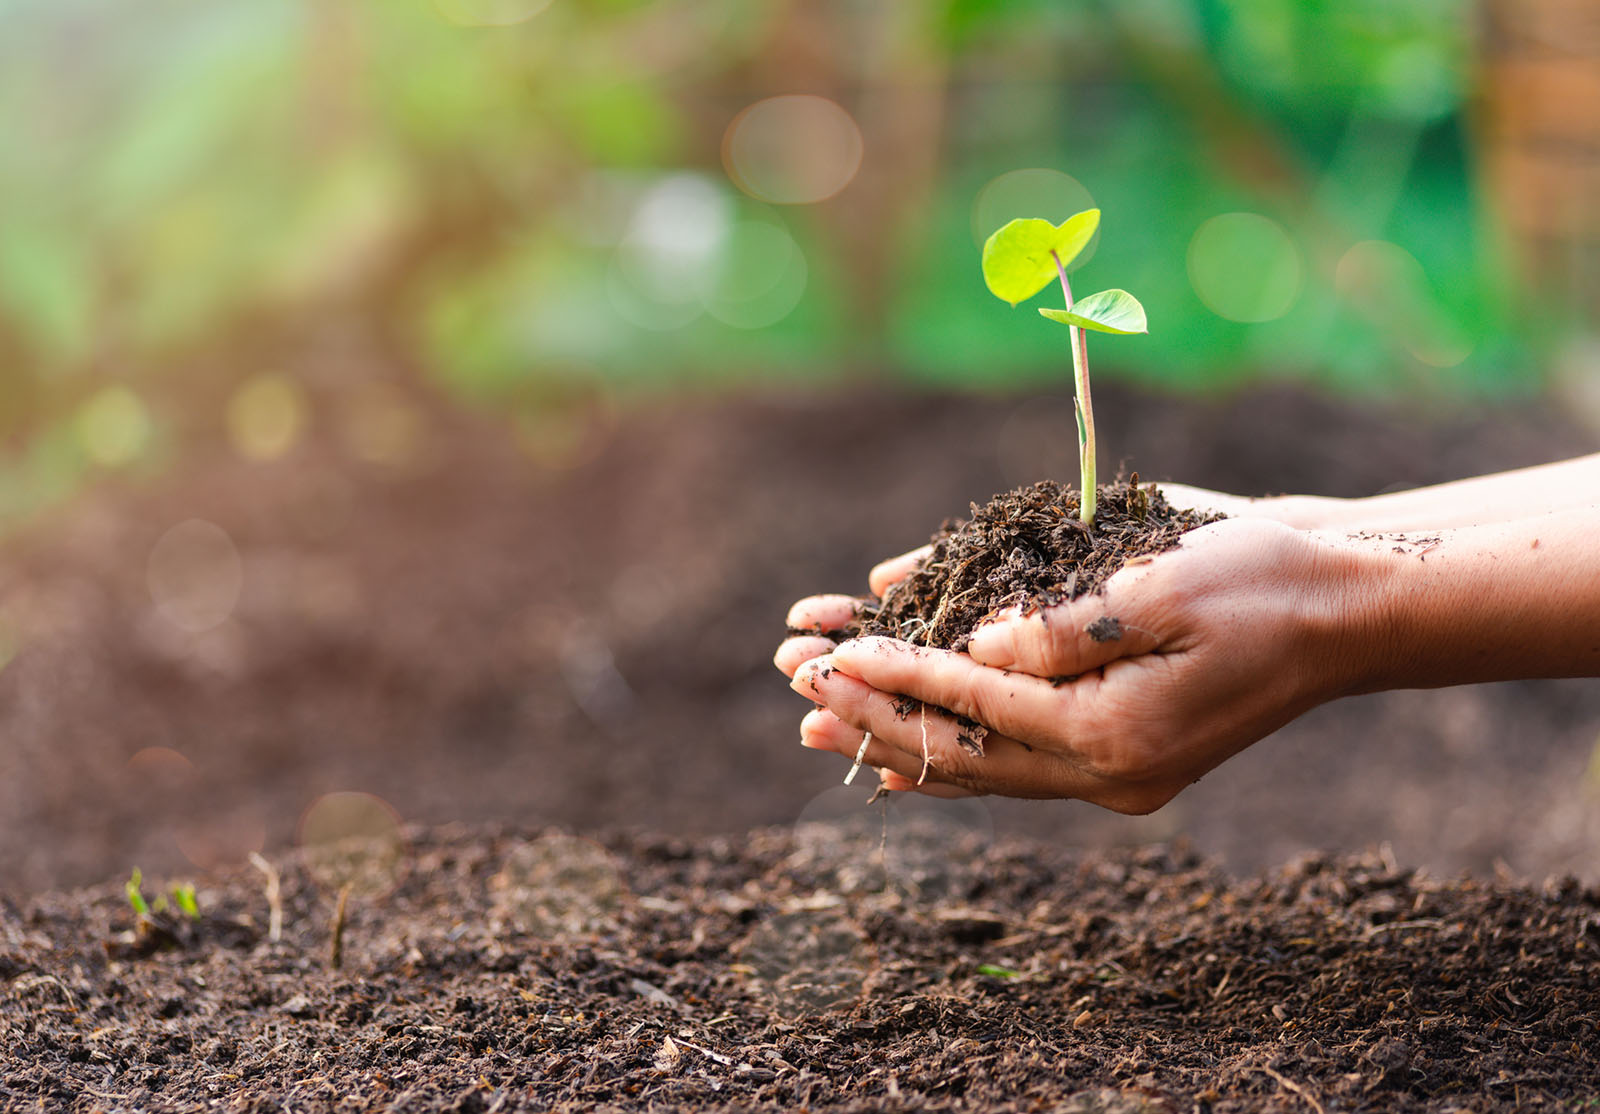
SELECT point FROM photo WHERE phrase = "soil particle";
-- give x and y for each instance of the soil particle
(1025, 547)
(803, 969)
(1107, 628)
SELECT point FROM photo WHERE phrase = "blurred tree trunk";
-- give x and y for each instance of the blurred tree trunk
(1540, 132)
(882, 63)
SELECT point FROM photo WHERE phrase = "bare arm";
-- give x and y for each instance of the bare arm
(1498, 497)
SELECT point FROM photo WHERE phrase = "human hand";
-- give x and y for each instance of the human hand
(1213, 646)
(831, 612)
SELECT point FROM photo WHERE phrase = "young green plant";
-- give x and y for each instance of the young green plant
(1019, 260)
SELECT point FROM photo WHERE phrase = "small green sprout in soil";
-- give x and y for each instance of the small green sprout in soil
(134, 889)
(1019, 260)
(182, 896)
(995, 971)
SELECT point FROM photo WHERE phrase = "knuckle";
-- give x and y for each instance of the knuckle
(1123, 759)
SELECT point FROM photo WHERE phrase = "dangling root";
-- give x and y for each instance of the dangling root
(861, 756)
(927, 758)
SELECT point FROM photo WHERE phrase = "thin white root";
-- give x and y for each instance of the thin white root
(861, 756)
(927, 758)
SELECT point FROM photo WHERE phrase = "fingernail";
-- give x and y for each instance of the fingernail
(809, 677)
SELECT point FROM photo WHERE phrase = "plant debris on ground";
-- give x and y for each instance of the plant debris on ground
(806, 970)
(1025, 547)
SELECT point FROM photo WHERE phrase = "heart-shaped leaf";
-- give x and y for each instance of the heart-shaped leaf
(1017, 261)
(1110, 311)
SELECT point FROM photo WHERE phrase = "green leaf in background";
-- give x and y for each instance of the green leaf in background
(1110, 311)
(1017, 261)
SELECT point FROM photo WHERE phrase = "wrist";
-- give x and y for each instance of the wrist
(1496, 602)
(1352, 620)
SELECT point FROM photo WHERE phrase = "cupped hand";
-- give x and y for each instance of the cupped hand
(831, 612)
(1121, 698)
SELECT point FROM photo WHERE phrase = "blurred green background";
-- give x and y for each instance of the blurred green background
(232, 219)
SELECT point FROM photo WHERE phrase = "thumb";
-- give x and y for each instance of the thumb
(1069, 638)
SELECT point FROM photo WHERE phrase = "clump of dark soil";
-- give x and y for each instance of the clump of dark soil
(512, 970)
(1027, 547)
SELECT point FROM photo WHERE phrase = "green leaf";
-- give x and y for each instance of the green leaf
(1017, 261)
(135, 897)
(184, 897)
(1110, 311)
(997, 972)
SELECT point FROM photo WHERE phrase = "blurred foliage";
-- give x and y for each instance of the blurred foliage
(526, 198)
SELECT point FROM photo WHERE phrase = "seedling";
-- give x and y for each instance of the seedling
(995, 971)
(182, 896)
(1019, 260)
(133, 888)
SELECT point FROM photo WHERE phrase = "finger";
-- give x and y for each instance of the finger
(925, 734)
(1066, 640)
(821, 729)
(895, 569)
(794, 652)
(1187, 498)
(899, 783)
(823, 613)
(1014, 704)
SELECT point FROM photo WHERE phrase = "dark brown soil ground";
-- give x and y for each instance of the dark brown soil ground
(583, 639)
(809, 970)
(1023, 547)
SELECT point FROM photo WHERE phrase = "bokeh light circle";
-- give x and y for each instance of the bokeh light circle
(489, 13)
(216, 842)
(558, 885)
(935, 847)
(1389, 286)
(353, 839)
(838, 839)
(1034, 192)
(760, 276)
(265, 417)
(113, 427)
(565, 435)
(1245, 267)
(381, 425)
(807, 959)
(671, 246)
(795, 149)
(195, 574)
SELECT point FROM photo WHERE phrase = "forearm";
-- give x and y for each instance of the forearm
(1492, 602)
(1499, 497)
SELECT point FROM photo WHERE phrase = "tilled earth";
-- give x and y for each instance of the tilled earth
(819, 968)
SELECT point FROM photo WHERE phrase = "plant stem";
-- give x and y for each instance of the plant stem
(1080, 383)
